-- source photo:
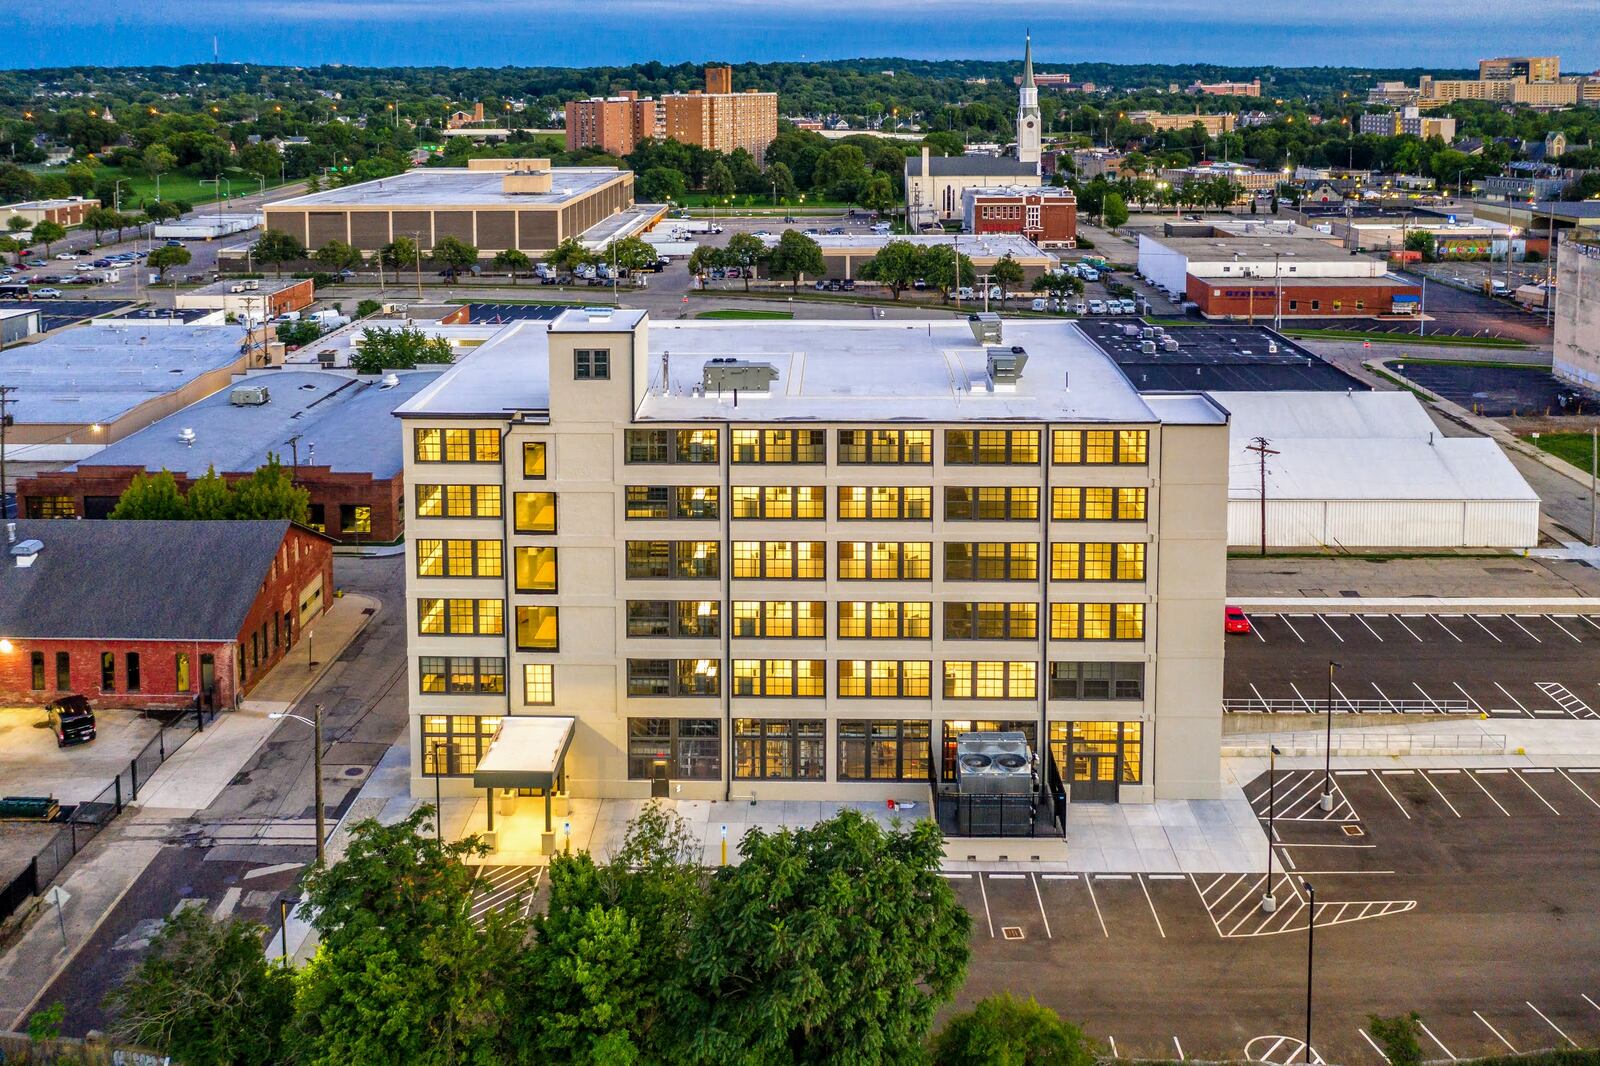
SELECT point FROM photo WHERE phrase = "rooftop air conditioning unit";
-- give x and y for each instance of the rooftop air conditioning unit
(985, 327)
(994, 764)
(1005, 367)
(250, 396)
(737, 375)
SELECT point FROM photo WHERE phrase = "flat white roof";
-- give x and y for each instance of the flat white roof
(526, 752)
(455, 187)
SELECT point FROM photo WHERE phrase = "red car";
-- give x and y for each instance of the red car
(1235, 620)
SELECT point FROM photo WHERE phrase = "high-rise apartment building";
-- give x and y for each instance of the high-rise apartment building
(796, 560)
(1525, 68)
(720, 118)
(614, 124)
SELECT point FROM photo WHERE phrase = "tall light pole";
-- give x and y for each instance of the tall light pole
(1326, 803)
(315, 722)
(1311, 942)
(1269, 902)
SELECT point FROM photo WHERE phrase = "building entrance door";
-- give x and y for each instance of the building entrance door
(1094, 777)
(658, 779)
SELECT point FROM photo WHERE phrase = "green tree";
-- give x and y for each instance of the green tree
(662, 185)
(207, 995)
(157, 160)
(719, 180)
(16, 224)
(898, 265)
(101, 219)
(150, 498)
(368, 307)
(607, 970)
(261, 160)
(744, 250)
(10, 246)
(163, 258)
(162, 211)
(277, 247)
(511, 260)
(209, 499)
(456, 254)
(1113, 210)
(1005, 1031)
(831, 944)
(703, 258)
(781, 180)
(795, 256)
(270, 493)
(1399, 1037)
(942, 270)
(298, 334)
(569, 255)
(47, 233)
(401, 348)
(630, 253)
(403, 974)
(1008, 275)
(1058, 285)
(337, 255)
(44, 1025)
(878, 194)
(400, 253)
(1422, 241)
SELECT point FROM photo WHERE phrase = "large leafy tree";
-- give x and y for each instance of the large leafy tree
(512, 260)
(569, 255)
(403, 973)
(270, 492)
(630, 253)
(1006, 1031)
(47, 233)
(209, 499)
(1008, 275)
(277, 247)
(164, 259)
(795, 256)
(744, 250)
(337, 255)
(456, 254)
(151, 498)
(833, 944)
(207, 994)
(945, 270)
(898, 265)
(401, 348)
(400, 253)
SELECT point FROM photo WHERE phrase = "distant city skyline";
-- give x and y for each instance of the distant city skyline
(1361, 33)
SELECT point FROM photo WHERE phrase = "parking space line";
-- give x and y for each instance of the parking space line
(1474, 779)
(1586, 618)
(1159, 928)
(1551, 1024)
(1408, 629)
(1373, 1045)
(1513, 620)
(1285, 620)
(986, 912)
(1427, 697)
(955, 877)
(1254, 628)
(1265, 706)
(1552, 620)
(1513, 699)
(1496, 1032)
(1309, 709)
(1470, 701)
(1179, 1046)
(1589, 1001)
(1486, 629)
(1007, 877)
(1424, 1026)
(1577, 786)
(1452, 632)
(1088, 883)
(1346, 699)
(1442, 796)
(1379, 779)
(1536, 792)
(1324, 620)
(1036, 895)
(1166, 877)
(1374, 632)
(1384, 696)
(1058, 877)
(1113, 1041)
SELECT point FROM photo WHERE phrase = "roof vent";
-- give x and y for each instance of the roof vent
(597, 314)
(985, 327)
(26, 551)
(1005, 367)
(250, 396)
(389, 381)
(186, 435)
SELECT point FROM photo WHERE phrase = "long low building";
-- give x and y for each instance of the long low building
(844, 254)
(492, 204)
(1368, 470)
(258, 299)
(333, 430)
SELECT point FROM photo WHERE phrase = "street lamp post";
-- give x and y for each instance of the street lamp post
(1311, 941)
(315, 722)
(438, 787)
(1326, 802)
(284, 903)
(1269, 902)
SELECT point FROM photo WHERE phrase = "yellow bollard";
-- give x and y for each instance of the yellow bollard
(567, 828)
(724, 845)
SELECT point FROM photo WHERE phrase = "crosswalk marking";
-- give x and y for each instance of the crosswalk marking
(1566, 699)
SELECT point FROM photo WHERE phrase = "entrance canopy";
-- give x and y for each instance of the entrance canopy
(526, 752)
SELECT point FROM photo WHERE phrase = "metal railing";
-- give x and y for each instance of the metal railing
(1348, 742)
(82, 822)
(1346, 706)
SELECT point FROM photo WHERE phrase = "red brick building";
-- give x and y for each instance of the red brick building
(1046, 216)
(1258, 298)
(154, 614)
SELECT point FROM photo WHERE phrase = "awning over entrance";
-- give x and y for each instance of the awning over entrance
(526, 752)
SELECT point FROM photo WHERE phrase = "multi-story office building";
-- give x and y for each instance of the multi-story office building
(1524, 68)
(1408, 120)
(1214, 125)
(796, 560)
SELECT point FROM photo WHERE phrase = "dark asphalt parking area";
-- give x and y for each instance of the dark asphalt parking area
(1498, 392)
(1464, 898)
(1502, 665)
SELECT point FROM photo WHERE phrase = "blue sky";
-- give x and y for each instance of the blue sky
(1358, 33)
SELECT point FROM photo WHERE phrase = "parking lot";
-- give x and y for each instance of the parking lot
(1497, 391)
(1457, 893)
(1503, 665)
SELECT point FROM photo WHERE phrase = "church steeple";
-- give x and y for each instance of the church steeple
(1029, 128)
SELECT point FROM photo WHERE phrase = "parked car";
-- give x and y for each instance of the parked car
(71, 720)
(1097, 307)
(1235, 620)
(174, 244)
(47, 294)
(849, 284)
(67, 257)
(1080, 308)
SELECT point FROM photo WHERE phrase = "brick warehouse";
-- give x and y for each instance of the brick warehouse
(91, 608)
(1257, 298)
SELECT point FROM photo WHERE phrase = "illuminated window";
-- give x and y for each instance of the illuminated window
(991, 447)
(538, 628)
(535, 512)
(452, 744)
(899, 447)
(991, 621)
(458, 501)
(779, 678)
(538, 684)
(1100, 446)
(779, 749)
(458, 617)
(990, 680)
(461, 674)
(1122, 741)
(533, 460)
(991, 503)
(1071, 561)
(885, 750)
(779, 446)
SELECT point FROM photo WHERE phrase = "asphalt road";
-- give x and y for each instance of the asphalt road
(1463, 899)
(1504, 665)
(245, 851)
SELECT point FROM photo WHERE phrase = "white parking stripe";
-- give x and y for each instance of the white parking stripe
(1496, 1032)
(1513, 699)
(1036, 895)
(1586, 618)
(1424, 1026)
(1285, 619)
(1580, 788)
(1442, 796)
(1179, 1046)
(1407, 628)
(1474, 779)
(1522, 627)
(1335, 632)
(1447, 629)
(1259, 696)
(1373, 1045)
(1589, 1001)
(1254, 628)
(1486, 629)
(1089, 884)
(1425, 696)
(1309, 709)
(1384, 696)
(1346, 699)
(986, 912)
(1536, 792)
(1374, 632)
(1379, 779)
(1153, 913)
(1470, 701)
(1551, 1024)
(1551, 619)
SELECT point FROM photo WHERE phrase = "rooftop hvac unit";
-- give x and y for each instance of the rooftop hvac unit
(1005, 366)
(994, 764)
(985, 327)
(737, 375)
(1130, 330)
(186, 435)
(249, 396)
(1147, 347)
(1169, 343)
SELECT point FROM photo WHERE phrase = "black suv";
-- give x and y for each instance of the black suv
(71, 719)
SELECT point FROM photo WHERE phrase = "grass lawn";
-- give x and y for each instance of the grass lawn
(1402, 338)
(176, 185)
(1571, 447)
(729, 312)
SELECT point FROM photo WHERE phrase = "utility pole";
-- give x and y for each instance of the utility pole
(1594, 470)
(1261, 446)
(5, 420)
(294, 445)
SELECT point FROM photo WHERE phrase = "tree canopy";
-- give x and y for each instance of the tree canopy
(796, 256)
(269, 493)
(398, 348)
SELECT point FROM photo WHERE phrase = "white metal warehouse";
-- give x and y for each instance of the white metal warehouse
(1368, 470)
